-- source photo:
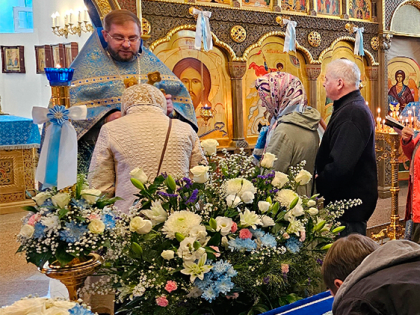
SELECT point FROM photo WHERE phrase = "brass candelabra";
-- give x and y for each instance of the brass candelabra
(71, 29)
(395, 230)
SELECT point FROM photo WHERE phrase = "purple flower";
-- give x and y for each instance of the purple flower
(266, 280)
(188, 182)
(193, 197)
(320, 261)
(164, 194)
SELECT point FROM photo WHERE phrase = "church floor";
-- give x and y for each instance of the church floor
(19, 279)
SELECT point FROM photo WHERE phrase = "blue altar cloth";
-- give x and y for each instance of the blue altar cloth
(18, 133)
(314, 305)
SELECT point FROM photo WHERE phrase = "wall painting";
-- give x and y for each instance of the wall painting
(403, 81)
(360, 9)
(206, 77)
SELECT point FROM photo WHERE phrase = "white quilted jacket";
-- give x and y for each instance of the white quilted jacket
(136, 140)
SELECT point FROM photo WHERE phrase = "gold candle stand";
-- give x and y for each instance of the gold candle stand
(60, 95)
(394, 230)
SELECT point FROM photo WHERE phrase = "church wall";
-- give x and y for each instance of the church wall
(21, 91)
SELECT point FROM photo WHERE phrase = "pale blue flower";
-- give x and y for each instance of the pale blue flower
(39, 230)
(268, 240)
(73, 232)
(109, 220)
(258, 233)
(242, 245)
(79, 310)
(224, 285)
(293, 245)
(210, 294)
(220, 267)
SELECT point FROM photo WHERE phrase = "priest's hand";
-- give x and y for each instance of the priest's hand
(407, 134)
(169, 104)
(113, 116)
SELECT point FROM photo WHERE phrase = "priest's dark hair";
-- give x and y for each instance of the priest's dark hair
(119, 17)
(344, 256)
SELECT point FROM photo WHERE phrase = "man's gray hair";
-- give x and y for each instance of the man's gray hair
(346, 70)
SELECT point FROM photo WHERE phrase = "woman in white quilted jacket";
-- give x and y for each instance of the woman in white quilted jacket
(138, 139)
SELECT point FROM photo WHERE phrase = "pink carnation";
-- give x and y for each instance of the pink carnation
(34, 219)
(170, 286)
(245, 233)
(302, 235)
(234, 227)
(217, 253)
(234, 296)
(162, 301)
(286, 236)
(284, 268)
(94, 216)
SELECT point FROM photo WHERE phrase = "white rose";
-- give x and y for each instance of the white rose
(139, 174)
(238, 186)
(267, 221)
(61, 199)
(186, 248)
(41, 198)
(168, 254)
(303, 177)
(96, 226)
(250, 218)
(50, 222)
(224, 225)
(199, 233)
(232, 201)
(90, 195)
(247, 197)
(27, 231)
(209, 146)
(268, 160)
(200, 173)
(313, 211)
(297, 211)
(311, 203)
(140, 225)
(263, 206)
(279, 180)
(156, 213)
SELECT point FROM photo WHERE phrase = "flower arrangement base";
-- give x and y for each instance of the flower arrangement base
(74, 274)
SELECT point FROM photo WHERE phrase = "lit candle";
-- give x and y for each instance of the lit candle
(66, 18)
(86, 15)
(57, 21)
(412, 122)
(70, 14)
(367, 103)
(379, 111)
(53, 19)
(378, 123)
(383, 124)
(79, 15)
(406, 122)
(58, 66)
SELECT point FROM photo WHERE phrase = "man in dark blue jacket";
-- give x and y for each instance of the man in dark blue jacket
(346, 162)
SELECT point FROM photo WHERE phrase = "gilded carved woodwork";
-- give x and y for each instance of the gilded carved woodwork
(166, 16)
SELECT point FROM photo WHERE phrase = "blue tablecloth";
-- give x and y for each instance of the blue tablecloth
(315, 305)
(18, 133)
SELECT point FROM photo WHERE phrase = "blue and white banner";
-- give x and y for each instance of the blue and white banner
(358, 45)
(202, 30)
(57, 164)
(290, 39)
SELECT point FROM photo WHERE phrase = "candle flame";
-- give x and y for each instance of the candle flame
(58, 66)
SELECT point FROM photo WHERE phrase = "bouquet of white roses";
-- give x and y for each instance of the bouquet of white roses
(66, 224)
(236, 238)
(45, 306)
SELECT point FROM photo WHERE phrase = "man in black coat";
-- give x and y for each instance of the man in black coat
(369, 279)
(346, 161)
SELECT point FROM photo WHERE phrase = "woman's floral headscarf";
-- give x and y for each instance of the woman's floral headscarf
(281, 93)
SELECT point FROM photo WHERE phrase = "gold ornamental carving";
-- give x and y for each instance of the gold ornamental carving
(237, 69)
(145, 26)
(238, 33)
(314, 39)
(105, 6)
(374, 43)
(313, 71)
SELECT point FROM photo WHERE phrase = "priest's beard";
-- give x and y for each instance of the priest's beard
(115, 55)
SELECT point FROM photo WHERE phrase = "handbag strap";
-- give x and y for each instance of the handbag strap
(164, 147)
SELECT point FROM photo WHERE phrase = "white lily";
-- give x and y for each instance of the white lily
(196, 270)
